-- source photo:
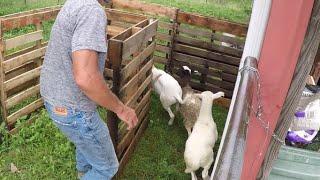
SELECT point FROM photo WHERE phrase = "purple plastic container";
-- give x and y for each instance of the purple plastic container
(300, 114)
(304, 137)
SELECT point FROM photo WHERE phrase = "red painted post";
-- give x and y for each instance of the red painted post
(283, 40)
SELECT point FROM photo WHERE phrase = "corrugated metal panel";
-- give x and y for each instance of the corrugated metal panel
(294, 163)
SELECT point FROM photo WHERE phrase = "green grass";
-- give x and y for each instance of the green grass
(14, 6)
(40, 151)
(159, 154)
(232, 10)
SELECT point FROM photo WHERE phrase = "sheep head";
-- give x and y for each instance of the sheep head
(209, 95)
(185, 74)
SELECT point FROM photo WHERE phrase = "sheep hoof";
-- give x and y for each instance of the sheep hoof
(170, 122)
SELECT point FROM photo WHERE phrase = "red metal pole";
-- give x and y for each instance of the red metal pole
(283, 40)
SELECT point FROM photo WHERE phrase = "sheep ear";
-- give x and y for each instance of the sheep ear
(155, 78)
(219, 94)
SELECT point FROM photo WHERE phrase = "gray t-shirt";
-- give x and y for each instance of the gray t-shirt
(81, 24)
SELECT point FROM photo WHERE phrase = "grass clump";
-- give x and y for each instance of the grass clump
(39, 151)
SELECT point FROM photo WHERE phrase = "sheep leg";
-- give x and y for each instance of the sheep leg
(189, 131)
(171, 116)
(166, 106)
(193, 175)
(206, 168)
(177, 107)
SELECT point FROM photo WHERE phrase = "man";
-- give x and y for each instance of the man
(72, 85)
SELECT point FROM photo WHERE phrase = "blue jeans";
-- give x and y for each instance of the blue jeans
(95, 153)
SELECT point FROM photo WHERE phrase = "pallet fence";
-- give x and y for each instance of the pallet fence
(209, 46)
(131, 61)
(21, 58)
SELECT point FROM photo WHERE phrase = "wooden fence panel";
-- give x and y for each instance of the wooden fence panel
(210, 46)
(131, 81)
(23, 39)
(135, 42)
(18, 61)
(166, 28)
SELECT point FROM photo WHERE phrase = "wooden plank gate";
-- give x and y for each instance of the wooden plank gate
(131, 61)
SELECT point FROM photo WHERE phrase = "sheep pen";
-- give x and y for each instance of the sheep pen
(136, 41)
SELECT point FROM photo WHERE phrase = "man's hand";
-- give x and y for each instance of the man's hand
(90, 80)
(128, 115)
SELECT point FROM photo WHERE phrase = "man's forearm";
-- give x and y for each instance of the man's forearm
(98, 91)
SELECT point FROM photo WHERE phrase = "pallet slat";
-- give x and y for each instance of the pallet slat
(207, 54)
(31, 11)
(131, 102)
(23, 59)
(213, 24)
(161, 60)
(163, 37)
(153, 9)
(120, 24)
(130, 135)
(108, 72)
(166, 25)
(133, 65)
(25, 110)
(125, 158)
(22, 78)
(209, 87)
(201, 61)
(145, 105)
(23, 39)
(208, 45)
(228, 39)
(215, 73)
(219, 83)
(214, 89)
(164, 49)
(10, 102)
(122, 16)
(127, 89)
(195, 32)
(114, 30)
(136, 41)
(21, 21)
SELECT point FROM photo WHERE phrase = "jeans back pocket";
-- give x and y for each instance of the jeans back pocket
(62, 115)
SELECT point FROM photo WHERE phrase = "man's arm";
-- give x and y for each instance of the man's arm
(90, 80)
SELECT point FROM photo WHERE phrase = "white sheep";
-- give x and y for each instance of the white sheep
(191, 103)
(199, 146)
(168, 89)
